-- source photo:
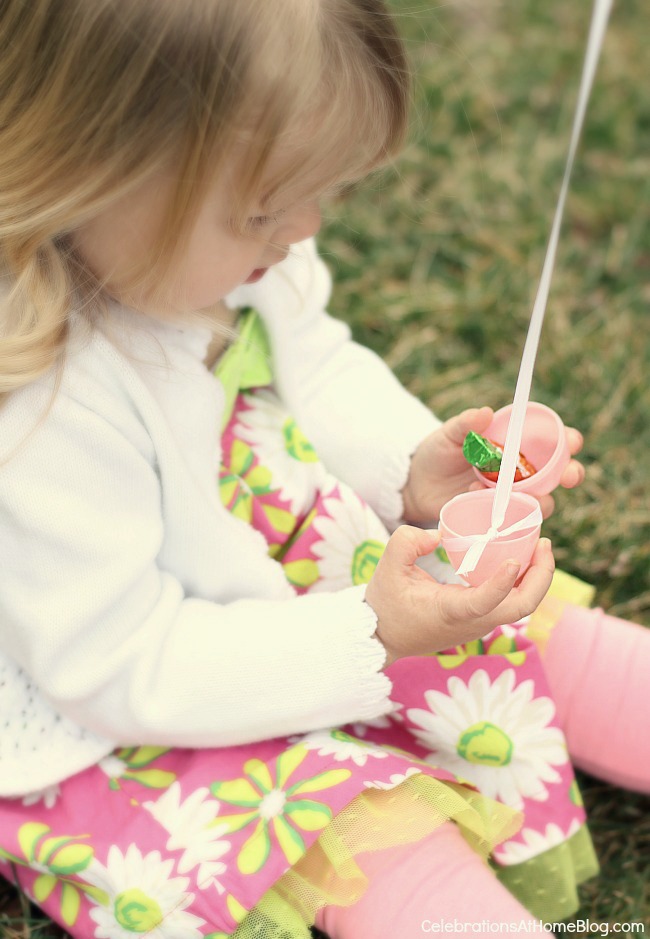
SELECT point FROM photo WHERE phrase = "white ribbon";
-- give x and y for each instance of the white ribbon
(512, 444)
(476, 544)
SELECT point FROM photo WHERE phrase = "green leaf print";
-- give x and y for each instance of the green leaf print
(301, 573)
(71, 859)
(135, 760)
(574, 794)
(241, 458)
(324, 780)
(297, 444)
(227, 488)
(281, 520)
(152, 778)
(308, 815)
(258, 480)
(502, 645)
(506, 646)
(243, 507)
(255, 851)
(70, 904)
(236, 792)
(137, 757)
(283, 549)
(99, 896)
(290, 841)
(60, 856)
(28, 837)
(43, 886)
(50, 846)
(6, 856)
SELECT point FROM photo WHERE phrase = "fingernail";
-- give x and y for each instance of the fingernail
(546, 542)
(512, 567)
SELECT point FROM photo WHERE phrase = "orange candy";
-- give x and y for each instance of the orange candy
(524, 467)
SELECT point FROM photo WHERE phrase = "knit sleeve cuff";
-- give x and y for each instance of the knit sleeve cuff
(397, 464)
(369, 652)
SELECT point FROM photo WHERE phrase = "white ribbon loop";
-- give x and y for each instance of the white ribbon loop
(512, 444)
(475, 545)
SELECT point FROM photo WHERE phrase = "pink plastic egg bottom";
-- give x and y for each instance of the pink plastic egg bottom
(470, 514)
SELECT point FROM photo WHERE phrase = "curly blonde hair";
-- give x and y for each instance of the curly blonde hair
(95, 97)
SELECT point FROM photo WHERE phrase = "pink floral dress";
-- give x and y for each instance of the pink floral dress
(181, 844)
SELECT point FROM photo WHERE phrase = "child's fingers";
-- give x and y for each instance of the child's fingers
(478, 602)
(477, 419)
(547, 505)
(496, 598)
(408, 543)
(573, 475)
(542, 559)
(574, 439)
(536, 581)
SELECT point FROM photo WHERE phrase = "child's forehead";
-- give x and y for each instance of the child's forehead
(295, 170)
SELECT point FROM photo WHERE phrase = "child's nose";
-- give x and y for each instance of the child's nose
(303, 223)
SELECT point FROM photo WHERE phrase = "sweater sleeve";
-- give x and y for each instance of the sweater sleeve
(111, 638)
(364, 424)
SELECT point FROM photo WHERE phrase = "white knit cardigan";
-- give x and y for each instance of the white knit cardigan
(134, 608)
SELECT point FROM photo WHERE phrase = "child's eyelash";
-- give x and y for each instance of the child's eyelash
(259, 221)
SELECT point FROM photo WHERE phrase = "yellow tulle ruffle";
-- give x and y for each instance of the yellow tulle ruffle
(328, 874)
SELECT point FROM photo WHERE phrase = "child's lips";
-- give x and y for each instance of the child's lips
(257, 274)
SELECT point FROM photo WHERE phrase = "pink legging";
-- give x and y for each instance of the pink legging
(439, 878)
(598, 668)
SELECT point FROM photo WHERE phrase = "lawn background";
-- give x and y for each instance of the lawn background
(437, 261)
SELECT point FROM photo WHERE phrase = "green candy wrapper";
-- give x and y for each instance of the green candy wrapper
(482, 454)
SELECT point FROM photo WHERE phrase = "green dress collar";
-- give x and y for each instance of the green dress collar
(246, 363)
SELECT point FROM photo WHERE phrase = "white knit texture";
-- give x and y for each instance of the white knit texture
(134, 609)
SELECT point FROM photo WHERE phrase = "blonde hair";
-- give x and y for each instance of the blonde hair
(96, 96)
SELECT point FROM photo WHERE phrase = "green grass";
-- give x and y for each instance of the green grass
(437, 261)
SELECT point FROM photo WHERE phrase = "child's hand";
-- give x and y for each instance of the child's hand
(439, 471)
(417, 615)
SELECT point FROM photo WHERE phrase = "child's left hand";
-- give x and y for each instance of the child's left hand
(439, 471)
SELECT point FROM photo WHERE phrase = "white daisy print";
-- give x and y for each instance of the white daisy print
(493, 735)
(360, 728)
(142, 897)
(395, 779)
(47, 796)
(113, 766)
(189, 822)
(281, 447)
(353, 540)
(336, 743)
(534, 843)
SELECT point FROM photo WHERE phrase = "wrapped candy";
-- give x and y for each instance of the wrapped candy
(486, 456)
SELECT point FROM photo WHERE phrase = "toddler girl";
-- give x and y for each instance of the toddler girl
(227, 709)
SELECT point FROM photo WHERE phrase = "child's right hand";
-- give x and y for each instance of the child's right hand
(418, 616)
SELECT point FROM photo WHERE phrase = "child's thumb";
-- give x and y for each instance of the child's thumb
(478, 419)
(408, 543)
